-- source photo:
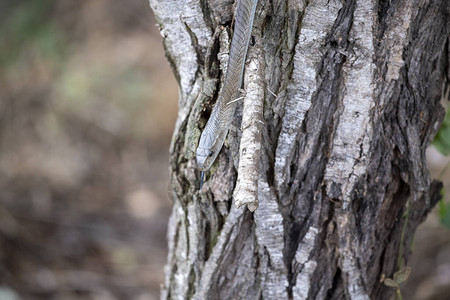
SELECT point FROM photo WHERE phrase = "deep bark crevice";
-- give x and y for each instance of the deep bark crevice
(336, 290)
(384, 9)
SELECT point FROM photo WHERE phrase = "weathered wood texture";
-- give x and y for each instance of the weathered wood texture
(345, 100)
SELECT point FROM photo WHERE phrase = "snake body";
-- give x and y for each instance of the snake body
(216, 129)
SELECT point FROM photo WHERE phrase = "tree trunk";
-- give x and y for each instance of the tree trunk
(342, 99)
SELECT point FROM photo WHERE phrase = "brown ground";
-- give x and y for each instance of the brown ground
(87, 107)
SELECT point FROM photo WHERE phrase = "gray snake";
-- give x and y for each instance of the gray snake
(216, 129)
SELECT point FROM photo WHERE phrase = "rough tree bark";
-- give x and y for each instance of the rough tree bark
(342, 101)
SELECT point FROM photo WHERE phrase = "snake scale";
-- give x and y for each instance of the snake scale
(216, 129)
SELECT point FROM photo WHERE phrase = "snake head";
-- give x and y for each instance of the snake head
(209, 147)
(213, 137)
(205, 153)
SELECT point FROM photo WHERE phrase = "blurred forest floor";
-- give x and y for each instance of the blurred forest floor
(87, 108)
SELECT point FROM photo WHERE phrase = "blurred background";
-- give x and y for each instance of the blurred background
(87, 108)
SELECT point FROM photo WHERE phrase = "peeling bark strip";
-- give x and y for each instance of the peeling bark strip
(269, 232)
(342, 101)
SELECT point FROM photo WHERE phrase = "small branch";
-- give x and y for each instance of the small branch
(246, 191)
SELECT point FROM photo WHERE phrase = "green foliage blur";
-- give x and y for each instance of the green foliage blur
(442, 144)
(29, 30)
(442, 138)
(444, 211)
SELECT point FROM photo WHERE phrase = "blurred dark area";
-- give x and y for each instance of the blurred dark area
(87, 108)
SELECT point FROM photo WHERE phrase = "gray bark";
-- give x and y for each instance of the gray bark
(344, 99)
